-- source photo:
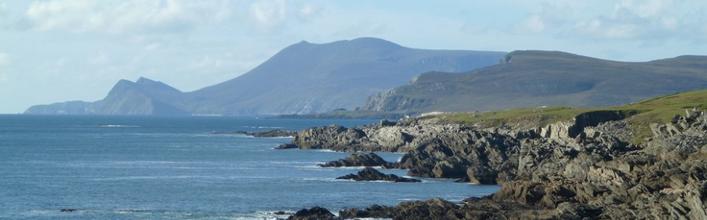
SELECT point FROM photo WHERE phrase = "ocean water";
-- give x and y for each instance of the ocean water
(175, 168)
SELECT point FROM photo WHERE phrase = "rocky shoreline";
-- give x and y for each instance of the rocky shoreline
(371, 174)
(584, 168)
(269, 133)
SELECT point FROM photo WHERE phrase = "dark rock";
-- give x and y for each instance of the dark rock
(285, 146)
(335, 138)
(316, 213)
(374, 211)
(595, 118)
(430, 209)
(580, 169)
(370, 174)
(384, 123)
(270, 133)
(481, 175)
(359, 159)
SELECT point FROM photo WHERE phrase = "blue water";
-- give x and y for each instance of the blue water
(174, 168)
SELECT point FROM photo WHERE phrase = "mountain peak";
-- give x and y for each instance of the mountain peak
(356, 42)
(372, 42)
(144, 80)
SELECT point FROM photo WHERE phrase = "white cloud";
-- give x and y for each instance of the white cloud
(119, 16)
(3, 9)
(534, 23)
(636, 20)
(270, 13)
(643, 8)
(604, 29)
(4, 59)
(4, 63)
(308, 10)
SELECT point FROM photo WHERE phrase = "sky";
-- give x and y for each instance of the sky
(61, 50)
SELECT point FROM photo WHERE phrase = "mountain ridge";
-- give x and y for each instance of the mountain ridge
(544, 78)
(302, 78)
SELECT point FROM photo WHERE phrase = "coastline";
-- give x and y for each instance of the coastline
(583, 168)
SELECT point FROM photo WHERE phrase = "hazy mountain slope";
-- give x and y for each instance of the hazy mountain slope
(308, 78)
(302, 78)
(143, 97)
(545, 78)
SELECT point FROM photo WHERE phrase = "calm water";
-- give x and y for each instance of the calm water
(173, 168)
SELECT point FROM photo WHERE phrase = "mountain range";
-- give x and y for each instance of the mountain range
(544, 78)
(300, 79)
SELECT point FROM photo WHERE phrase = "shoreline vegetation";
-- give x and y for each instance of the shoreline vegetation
(640, 161)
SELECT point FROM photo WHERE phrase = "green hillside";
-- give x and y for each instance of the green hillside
(528, 79)
(639, 115)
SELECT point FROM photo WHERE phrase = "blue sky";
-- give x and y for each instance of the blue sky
(59, 50)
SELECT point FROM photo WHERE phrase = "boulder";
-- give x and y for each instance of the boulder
(374, 211)
(286, 146)
(370, 174)
(316, 213)
(358, 160)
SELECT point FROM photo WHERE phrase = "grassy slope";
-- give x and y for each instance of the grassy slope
(655, 110)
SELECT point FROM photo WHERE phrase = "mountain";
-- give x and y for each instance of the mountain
(302, 78)
(143, 97)
(544, 78)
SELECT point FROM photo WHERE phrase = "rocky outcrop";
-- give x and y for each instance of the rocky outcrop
(269, 133)
(285, 147)
(316, 213)
(370, 174)
(430, 209)
(556, 171)
(434, 150)
(359, 160)
(334, 137)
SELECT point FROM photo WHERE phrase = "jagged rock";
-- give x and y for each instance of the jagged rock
(374, 211)
(370, 174)
(481, 175)
(390, 137)
(359, 159)
(335, 138)
(429, 209)
(269, 133)
(585, 168)
(316, 213)
(384, 123)
(286, 146)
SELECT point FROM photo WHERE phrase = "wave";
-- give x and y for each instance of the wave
(207, 177)
(325, 151)
(353, 168)
(117, 126)
(263, 127)
(325, 179)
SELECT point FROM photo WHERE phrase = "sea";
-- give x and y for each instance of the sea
(108, 167)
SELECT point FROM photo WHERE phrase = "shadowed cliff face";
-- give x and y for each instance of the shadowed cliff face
(302, 78)
(544, 78)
